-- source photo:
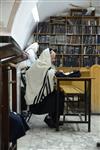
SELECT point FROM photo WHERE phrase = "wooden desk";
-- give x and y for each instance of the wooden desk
(87, 98)
(93, 71)
(8, 53)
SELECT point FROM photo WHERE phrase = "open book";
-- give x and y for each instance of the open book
(67, 73)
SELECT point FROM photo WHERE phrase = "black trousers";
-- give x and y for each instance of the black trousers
(49, 105)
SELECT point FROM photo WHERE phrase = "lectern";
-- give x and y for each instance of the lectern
(9, 52)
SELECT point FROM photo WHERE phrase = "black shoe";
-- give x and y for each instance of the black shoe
(60, 122)
(48, 120)
(98, 144)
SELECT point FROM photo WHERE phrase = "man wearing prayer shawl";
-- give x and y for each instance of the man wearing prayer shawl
(40, 93)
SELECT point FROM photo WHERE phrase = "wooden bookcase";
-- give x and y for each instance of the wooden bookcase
(76, 38)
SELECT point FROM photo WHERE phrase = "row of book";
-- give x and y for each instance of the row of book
(62, 39)
(89, 30)
(42, 47)
(42, 27)
(89, 22)
(89, 39)
(43, 38)
(70, 39)
(58, 28)
(58, 39)
(75, 29)
(74, 61)
(74, 26)
(75, 50)
(82, 30)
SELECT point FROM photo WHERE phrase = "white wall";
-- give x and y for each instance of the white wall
(48, 8)
(24, 23)
(5, 10)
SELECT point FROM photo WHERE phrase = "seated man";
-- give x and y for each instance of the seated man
(40, 93)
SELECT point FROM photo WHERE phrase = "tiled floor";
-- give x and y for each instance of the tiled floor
(70, 136)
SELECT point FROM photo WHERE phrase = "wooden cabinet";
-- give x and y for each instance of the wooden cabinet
(95, 94)
(76, 38)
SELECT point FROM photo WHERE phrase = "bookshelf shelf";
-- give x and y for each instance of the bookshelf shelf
(76, 38)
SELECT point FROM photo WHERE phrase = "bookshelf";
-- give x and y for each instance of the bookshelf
(76, 38)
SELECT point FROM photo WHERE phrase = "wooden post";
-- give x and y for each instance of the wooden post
(0, 102)
(4, 113)
(14, 90)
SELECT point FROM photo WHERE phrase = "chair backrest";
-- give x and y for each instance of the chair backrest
(95, 88)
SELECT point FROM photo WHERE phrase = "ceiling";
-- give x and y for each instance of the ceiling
(19, 13)
(45, 7)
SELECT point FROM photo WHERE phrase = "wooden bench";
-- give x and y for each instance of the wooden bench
(71, 89)
(73, 99)
(77, 101)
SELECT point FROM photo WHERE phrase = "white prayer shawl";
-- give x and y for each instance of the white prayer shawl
(35, 76)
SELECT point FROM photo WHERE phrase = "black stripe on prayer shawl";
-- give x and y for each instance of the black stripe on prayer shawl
(41, 93)
(35, 100)
(48, 89)
(45, 86)
(48, 84)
